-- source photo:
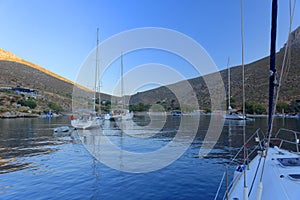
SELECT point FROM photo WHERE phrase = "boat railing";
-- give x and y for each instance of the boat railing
(258, 135)
(281, 141)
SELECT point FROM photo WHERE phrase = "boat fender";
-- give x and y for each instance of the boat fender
(259, 191)
(238, 171)
(240, 168)
(276, 148)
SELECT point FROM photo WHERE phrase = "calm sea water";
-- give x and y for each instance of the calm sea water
(36, 164)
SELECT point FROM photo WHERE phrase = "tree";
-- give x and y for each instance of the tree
(140, 107)
(259, 109)
(188, 108)
(282, 107)
(207, 110)
(53, 106)
(232, 103)
(294, 107)
(254, 108)
(29, 103)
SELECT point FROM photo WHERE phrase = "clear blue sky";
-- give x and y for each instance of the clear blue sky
(59, 34)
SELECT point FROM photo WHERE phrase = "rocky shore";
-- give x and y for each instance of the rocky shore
(15, 114)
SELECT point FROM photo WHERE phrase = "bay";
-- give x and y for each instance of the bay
(36, 164)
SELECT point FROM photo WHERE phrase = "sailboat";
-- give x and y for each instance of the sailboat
(232, 113)
(84, 118)
(123, 113)
(274, 173)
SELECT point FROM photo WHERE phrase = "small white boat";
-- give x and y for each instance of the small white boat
(232, 113)
(235, 116)
(107, 116)
(118, 115)
(121, 113)
(292, 116)
(127, 115)
(62, 129)
(84, 118)
(85, 121)
(176, 113)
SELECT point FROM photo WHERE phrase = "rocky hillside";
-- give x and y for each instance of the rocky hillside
(8, 56)
(51, 88)
(257, 76)
(256, 82)
(14, 71)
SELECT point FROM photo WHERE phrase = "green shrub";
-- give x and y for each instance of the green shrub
(281, 106)
(254, 108)
(207, 110)
(139, 107)
(3, 109)
(54, 107)
(29, 103)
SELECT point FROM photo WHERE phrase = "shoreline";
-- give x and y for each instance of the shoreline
(14, 115)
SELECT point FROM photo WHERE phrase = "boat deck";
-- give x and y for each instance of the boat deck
(281, 175)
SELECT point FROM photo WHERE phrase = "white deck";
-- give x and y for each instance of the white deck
(276, 181)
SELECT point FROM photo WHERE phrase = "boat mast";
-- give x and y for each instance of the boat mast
(122, 83)
(98, 69)
(96, 73)
(272, 84)
(245, 188)
(228, 69)
(272, 80)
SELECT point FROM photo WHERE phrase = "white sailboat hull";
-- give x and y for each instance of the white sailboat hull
(234, 116)
(126, 115)
(277, 182)
(107, 116)
(85, 124)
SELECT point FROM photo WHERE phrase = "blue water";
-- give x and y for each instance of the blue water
(35, 164)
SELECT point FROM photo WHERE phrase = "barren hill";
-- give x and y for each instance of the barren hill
(18, 72)
(256, 82)
(15, 71)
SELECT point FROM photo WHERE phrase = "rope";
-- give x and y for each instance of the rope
(256, 171)
(220, 185)
(243, 79)
(285, 64)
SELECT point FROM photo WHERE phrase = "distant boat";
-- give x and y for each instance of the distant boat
(127, 115)
(120, 114)
(47, 115)
(84, 119)
(176, 113)
(123, 113)
(274, 173)
(62, 129)
(107, 116)
(232, 113)
(293, 116)
(235, 116)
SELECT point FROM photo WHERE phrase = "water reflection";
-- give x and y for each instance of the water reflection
(141, 148)
(35, 163)
(24, 138)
